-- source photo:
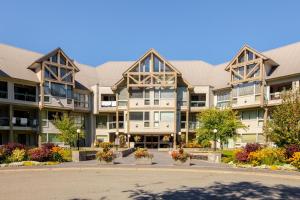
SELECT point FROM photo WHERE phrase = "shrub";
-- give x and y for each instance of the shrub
(48, 145)
(166, 138)
(8, 148)
(180, 155)
(39, 154)
(142, 153)
(106, 146)
(17, 155)
(291, 149)
(107, 156)
(295, 160)
(241, 155)
(192, 145)
(66, 154)
(55, 152)
(137, 138)
(267, 156)
(122, 139)
(251, 147)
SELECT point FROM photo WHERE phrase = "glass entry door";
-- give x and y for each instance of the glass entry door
(152, 141)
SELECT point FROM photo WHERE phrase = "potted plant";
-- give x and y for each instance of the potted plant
(143, 157)
(106, 156)
(180, 157)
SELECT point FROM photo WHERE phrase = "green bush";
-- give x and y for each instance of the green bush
(17, 155)
(106, 146)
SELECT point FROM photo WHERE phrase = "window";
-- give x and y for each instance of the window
(136, 116)
(146, 119)
(250, 55)
(223, 99)
(156, 97)
(81, 100)
(101, 121)
(24, 92)
(48, 74)
(66, 75)
(58, 90)
(167, 93)
(249, 115)
(166, 116)
(146, 97)
(156, 119)
(3, 89)
(52, 115)
(198, 100)
(136, 93)
(145, 65)
(63, 60)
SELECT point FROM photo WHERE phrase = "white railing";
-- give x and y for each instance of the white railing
(108, 103)
(198, 103)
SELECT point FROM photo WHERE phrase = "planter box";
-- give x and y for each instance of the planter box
(186, 163)
(143, 161)
(214, 157)
(83, 155)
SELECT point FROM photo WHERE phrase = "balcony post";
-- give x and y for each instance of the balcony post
(11, 133)
(187, 117)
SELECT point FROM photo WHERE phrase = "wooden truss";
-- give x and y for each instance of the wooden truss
(247, 66)
(151, 71)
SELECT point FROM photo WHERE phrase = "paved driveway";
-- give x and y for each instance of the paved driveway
(144, 183)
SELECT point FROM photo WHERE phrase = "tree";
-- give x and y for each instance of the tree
(68, 130)
(225, 123)
(284, 126)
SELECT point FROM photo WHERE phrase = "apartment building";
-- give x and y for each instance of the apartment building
(153, 102)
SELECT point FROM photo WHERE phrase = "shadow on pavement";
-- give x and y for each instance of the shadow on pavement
(240, 190)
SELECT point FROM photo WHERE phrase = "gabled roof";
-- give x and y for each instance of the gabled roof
(245, 47)
(50, 54)
(147, 54)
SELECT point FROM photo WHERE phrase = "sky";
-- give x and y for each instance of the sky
(94, 31)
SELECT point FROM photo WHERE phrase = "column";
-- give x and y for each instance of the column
(11, 133)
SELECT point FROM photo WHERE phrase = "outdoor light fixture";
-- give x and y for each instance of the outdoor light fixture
(179, 133)
(117, 133)
(78, 131)
(129, 135)
(215, 139)
(172, 135)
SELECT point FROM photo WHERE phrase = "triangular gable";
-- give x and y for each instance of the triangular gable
(141, 59)
(148, 53)
(59, 52)
(243, 52)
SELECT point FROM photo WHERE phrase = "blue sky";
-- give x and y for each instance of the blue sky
(93, 32)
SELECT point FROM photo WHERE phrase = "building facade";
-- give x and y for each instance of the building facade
(152, 101)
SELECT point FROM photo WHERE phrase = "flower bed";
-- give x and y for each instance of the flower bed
(106, 156)
(17, 153)
(257, 156)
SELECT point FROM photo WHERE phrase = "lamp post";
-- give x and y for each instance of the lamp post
(78, 131)
(180, 142)
(117, 142)
(215, 139)
(128, 138)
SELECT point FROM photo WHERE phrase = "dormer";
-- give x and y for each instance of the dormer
(247, 65)
(56, 66)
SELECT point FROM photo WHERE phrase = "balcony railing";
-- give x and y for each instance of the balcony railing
(4, 121)
(25, 97)
(198, 103)
(108, 103)
(122, 103)
(194, 125)
(24, 122)
(181, 103)
(276, 95)
(113, 125)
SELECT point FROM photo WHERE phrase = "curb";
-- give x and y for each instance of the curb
(247, 173)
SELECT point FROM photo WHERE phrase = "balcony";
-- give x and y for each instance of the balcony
(194, 125)
(198, 103)
(106, 104)
(25, 97)
(4, 121)
(183, 124)
(24, 122)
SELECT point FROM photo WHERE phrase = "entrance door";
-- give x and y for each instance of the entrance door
(152, 141)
